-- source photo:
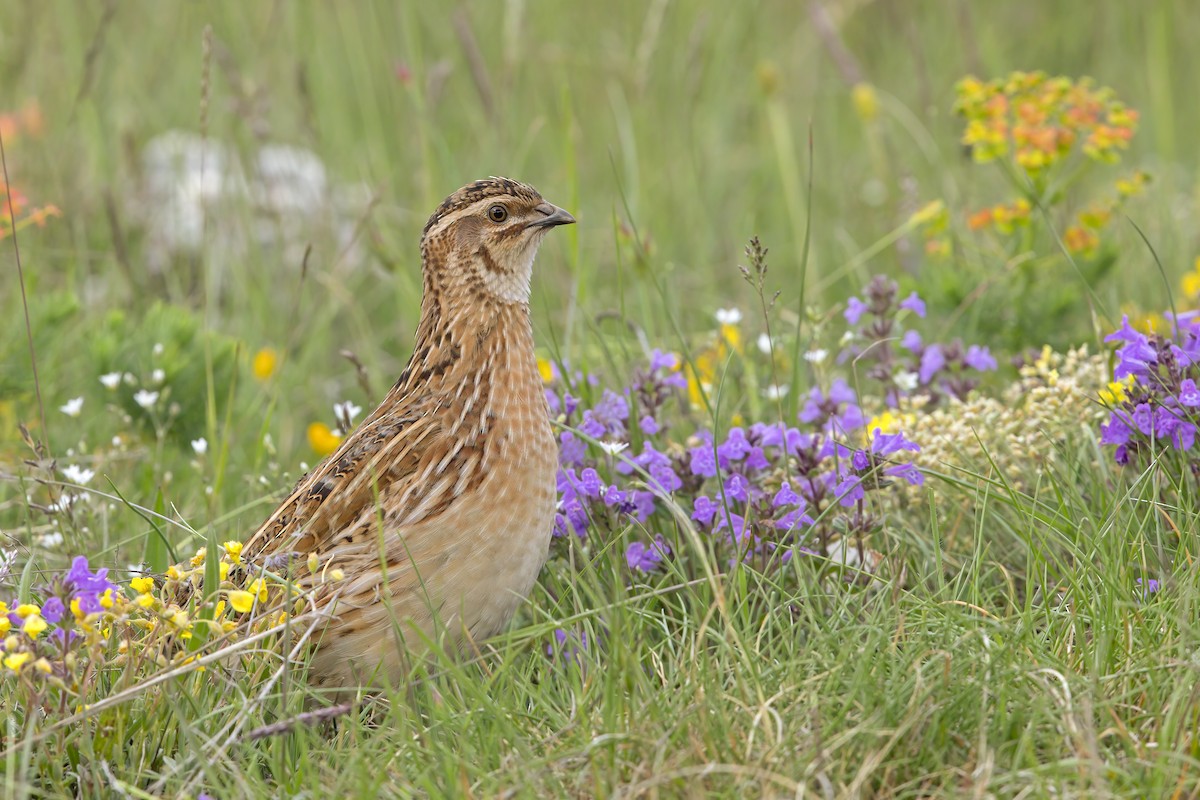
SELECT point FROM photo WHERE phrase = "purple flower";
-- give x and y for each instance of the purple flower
(786, 496)
(906, 472)
(614, 497)
(860, 460)
(911, 341)
(660, 360)
(643, 505)
(568, 647)
(932, 360)
(1115, 431)
(590, 483)
(1143, 418)
(644, 558)
(849, 490)
(1149, 587)
(1136, 356)
(735, 448)
(703, 510)
(855, 308)
(979, 358)
(591, 426)
(703, 463)
(838, 411)
(792, 520)
(884, 444)
(735, 488)
(649, 425)
(571, 449)
(52, 610)
(1189, 395)
(80, 578)
(915, 304)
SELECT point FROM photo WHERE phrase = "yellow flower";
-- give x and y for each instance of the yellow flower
(234, 551)
(266, 362)
(1191, 281)
(34, 625)
(42, 665)
(241, 601)
(27, 610)
(16, 661)
(145, 600)
(1115, 392)
(223, 569)
(198, 559)
(258, 587)
(732, 336)
(142, 585)
(866, 102)
(545, 369)
(106, 599)
(178, 619)
(5, 625)
(890, 422)
(322, 440)
(336, 574)
(313, 563)
(173, 573)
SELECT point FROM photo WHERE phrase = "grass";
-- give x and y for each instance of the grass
(1007, 653)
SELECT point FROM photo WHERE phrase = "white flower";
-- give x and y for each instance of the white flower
(775, 392)
(847, 338)
(129, 379)
(72, 407)
(764, 344)
(158, 376)
(78, 475)
(907, 381)
(816, 356)
(729, 316)
(116, 441)
(49, 541)
(111, 380)
(200, 446)
(158, 348)
(346, 412)
(612, 448)
(145, 399)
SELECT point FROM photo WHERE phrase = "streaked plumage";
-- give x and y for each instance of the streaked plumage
(449, 484)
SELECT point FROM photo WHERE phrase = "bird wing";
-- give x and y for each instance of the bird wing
(388, 470)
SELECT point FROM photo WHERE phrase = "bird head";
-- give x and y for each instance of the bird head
(483, 238)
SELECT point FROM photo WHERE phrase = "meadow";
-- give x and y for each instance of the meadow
(870, 359)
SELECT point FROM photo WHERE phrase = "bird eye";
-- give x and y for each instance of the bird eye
(497, 213)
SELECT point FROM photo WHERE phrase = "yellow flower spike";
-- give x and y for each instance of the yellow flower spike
(34, 625)
(241, 601)
(545, 369)
(142, 585)
(234, 551)
(27, 610)
(265, 363)
(16, 661)
(321, 439)
(145, 600)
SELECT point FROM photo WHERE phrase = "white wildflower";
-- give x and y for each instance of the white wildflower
(200, 446)
(764, 344)
(613, 448)
(111, 380)
(158, 348)
(158, 376)
(78, 475)
(129, 378)
(729, 316)
(774, 392)
(816, 356)
(145, 399)
(907, 381)
(72, 407)
(49, 541)
(346, 412)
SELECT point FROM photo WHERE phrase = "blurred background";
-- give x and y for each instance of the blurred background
(224, 200)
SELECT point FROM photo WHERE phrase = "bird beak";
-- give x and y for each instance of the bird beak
(554, 216)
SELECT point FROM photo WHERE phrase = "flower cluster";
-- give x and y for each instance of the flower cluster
(1153, 401)
(85, 623)
(1037, 120)
(761, 491)
(899, 358)
(14, 205)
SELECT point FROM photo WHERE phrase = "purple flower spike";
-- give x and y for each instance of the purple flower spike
(703, 510)
(911, 341)
(915, 304)
(979, 358)
(649, 425)
(1189, 395)
(932, 360)
(52, 610)
(645, 558)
